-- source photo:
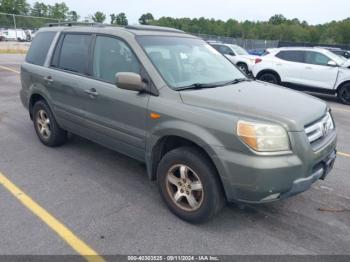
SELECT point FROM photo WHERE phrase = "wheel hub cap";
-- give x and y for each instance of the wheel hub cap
(184, 187)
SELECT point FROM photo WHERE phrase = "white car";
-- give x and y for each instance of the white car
(306, 68)
(236, 55)
(13, 35)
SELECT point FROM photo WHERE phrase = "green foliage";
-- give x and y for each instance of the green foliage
(119, 19)
(146, 19)
(98, 17)
(17, 7)
(277, 28)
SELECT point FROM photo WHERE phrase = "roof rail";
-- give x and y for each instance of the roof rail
(71, 23)
(153, 28)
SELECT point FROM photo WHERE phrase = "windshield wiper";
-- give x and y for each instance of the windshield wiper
(212, 85)
(236, 81)
(198, 86)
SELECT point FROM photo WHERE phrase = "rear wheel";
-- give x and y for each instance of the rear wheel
(46, 127)
(189, 185)
(269, 77)
(243, 67)
(344, 94)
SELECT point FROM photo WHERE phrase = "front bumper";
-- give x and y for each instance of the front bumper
(251, 178)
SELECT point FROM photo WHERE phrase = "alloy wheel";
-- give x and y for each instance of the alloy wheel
(184, 187)
(43, 124)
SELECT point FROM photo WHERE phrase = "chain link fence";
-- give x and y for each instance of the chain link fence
(248, 44)
(21, 27)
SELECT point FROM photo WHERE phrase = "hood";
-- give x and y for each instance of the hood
(346, 64)
(260, 101)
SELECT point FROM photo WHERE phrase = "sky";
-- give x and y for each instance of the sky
(313, 11)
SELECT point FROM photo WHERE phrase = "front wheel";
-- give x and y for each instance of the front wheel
(344, 94)
(189, 185)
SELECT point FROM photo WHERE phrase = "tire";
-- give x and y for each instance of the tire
(269, 78)
(344, 94)
(204, 193)
(46, 127)
(243, 67)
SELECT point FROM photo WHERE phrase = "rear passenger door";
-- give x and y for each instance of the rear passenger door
(68, 68)
(116, 116)
(292, 66)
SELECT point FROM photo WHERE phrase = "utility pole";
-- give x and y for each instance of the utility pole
(14, 23)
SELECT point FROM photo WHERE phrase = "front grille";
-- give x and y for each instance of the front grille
(320, 128)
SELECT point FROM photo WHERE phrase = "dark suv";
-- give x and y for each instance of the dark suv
(206, 133)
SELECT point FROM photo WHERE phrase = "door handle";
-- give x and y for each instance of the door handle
(48, 79)
(91, 92)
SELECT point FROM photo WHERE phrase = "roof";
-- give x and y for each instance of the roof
(98, 27)
(296, 48)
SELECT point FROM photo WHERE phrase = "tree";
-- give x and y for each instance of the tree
(39, 9)
(17, 7)
(58, 11)
(277, 19)
(119, 19)
(73, 16)
(99, 17)
(146, 19)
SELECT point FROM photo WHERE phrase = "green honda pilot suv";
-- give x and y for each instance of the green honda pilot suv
(207, 134)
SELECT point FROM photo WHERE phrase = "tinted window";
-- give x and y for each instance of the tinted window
(223, 49)
(39, 48)
(112, 56)
(292, 56)
(316, 58)
(74, 53)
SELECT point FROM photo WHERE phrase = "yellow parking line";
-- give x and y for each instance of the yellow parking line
(78, 245)
(343, 154)
(9, 69)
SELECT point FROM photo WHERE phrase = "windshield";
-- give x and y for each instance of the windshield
(187, 61)
(239, 50)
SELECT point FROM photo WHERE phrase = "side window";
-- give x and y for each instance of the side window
(40, 46)
(316, 58)
(74, 53)
(112, 56)
(291, 56)
(223, 49)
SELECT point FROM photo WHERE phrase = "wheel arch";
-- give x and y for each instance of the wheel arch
(271, 71)
(35, 97)
(169, 142)
(342, 84)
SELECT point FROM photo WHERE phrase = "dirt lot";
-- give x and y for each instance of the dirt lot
(106, 200)
(14, 47)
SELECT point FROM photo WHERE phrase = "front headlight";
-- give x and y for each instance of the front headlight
(263, 137)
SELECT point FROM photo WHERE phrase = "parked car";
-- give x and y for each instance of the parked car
(237, 55)
(339, 51)
(306, 68)
(13, 35)
(206, 132)
(257, 52)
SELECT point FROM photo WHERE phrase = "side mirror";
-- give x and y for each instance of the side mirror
(129, 81)
(332, 63)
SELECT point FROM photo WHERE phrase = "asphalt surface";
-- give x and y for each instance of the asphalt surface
(106, 199)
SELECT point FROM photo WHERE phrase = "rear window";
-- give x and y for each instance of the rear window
(40, 46)
(72, 53)
(292, 56)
